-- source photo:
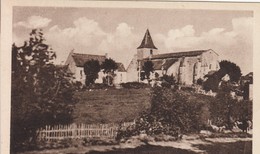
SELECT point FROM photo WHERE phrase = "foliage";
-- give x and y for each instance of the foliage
(99, 86)
(226, 67)
(212, 82)
(231, 69)
(91, 70)
(222, 107)
(178, 108)
(200, 81)
(225, 109)
(147, 68)
(172, 112)
(109, 66)
(168, 81)
(134, 85)
(42, 93)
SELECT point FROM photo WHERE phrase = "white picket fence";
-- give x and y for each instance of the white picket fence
(80, 131)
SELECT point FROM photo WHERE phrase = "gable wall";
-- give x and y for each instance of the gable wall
(132, 73)
(209, 62)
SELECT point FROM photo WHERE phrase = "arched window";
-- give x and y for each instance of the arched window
(151, 52)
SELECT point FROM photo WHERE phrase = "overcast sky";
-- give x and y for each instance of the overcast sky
(119, 32)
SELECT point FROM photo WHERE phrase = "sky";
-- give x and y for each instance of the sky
(119, 31)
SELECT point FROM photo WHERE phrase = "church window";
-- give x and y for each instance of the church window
(151, 52)
(209, 66)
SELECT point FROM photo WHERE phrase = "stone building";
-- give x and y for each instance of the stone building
(76, 61)
(187, 67)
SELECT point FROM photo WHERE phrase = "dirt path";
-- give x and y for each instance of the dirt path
(189, 144)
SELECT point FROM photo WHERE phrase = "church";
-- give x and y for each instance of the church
(186, 67)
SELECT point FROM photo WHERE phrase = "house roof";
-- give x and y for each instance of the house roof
(80, 59)
(248, 77)
(158, 64)
(179, 54)
(147, 41)
(120, 67)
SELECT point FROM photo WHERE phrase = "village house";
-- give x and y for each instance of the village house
(76, 61)
(187, 67)
(247, 84)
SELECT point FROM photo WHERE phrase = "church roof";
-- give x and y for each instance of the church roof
(179, 54)
(147, 41)
(80, 58)
(158, 64)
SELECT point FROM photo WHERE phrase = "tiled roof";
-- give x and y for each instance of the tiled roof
(179, 54)
(120, 67)
(159, 63)
(147, 41)
(80, 59)
(248, 77)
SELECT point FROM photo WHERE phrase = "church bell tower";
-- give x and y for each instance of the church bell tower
(147, 49)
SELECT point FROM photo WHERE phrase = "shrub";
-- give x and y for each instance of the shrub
(98, 86)
(188, 88)
(172, 112)
(168, 81)
(134, 85)
(200, 81)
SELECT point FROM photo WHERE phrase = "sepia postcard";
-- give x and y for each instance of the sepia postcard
(110, 77)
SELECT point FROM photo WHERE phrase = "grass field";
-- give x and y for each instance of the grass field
(111, 106)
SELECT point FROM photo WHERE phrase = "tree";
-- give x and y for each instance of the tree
(91, 69)
(231, 69)
(109, 67)
(147, 68)
(222, 108)
(226, 109)
(212, 82)
(226, 68)
(42, 93)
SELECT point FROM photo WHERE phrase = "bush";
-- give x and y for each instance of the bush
(168, 81)
(134, 85)
(188, 88)
(172, 112)
(199, 81)
(98, 86)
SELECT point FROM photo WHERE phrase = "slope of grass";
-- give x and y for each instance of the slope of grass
(110, 106)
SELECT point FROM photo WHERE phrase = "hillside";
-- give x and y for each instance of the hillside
(111, 106)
